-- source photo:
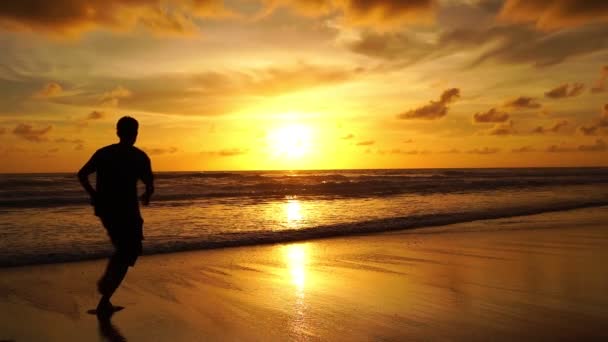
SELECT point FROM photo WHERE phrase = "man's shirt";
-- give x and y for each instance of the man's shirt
(118, 168)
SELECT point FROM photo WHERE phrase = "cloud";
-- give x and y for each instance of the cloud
(160, 150)
(348, 136)
(29, 133)
(492, 115)
(51, 89)
(73, 17)
(599, 126)
(68, 141)
(524, 149)
(506, 44)
(501, 129)
(555, 14)
(433, 110)
(600, 86)
(484, 150)
(523, 102)
(451, 151)
(565, 90)
(78, 143)
(2, 130)
(559, 149)
(227, 152)
(375, 14)
(112, 97)
(552, 129)
(599, 146)
(366, 143)
(95, 115)
(408, 141)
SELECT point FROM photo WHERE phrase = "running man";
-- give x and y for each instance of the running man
(118, 167)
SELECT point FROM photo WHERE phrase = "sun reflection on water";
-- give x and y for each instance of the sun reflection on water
(293, 210)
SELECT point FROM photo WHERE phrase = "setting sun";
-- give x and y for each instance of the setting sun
(291, 142)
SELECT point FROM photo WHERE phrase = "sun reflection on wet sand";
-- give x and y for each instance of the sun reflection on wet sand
(297, 258)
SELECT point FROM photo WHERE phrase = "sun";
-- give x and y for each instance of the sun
(292, 141)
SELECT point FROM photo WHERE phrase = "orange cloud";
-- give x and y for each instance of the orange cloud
(51, 89)
(599, 126)
(95, 115)
(435, 109)
(72, 17)
(600, 86)
(555, 14)
(366, 143)
(112, 97)
(29, 133)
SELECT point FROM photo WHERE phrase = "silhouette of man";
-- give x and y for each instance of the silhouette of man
(118, 167)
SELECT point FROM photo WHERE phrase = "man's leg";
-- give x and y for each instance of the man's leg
(114, 274)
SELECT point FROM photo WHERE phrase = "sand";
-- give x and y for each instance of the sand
(540, 277)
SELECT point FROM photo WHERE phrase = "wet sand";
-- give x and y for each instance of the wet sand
(541, 277)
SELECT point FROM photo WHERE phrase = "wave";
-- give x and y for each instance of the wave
(224, 240)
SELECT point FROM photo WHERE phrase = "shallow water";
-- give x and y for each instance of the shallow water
(46, 218)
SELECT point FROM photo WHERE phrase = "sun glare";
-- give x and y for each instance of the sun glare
(292, 142)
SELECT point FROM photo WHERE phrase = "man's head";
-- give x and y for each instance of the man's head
(126, 129)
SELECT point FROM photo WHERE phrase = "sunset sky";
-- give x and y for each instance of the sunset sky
(306, 84)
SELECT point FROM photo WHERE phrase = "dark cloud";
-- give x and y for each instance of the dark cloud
(565, 90)
(348, 136)
(408, 152)
(29, 133)
(435, 109)
(523, 102)
(555, 14)
(380, 14)
(600, 85)
(524, 149)
(49, 90)
(508, 44)
(492, 115)
(2, 130)
(599, 146)
(484, 150)
(502, 129)
(366, 143)
(391, 46)
(551, 129)
(71, 17)
(160, 150)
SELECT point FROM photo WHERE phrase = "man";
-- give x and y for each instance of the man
(118, 167)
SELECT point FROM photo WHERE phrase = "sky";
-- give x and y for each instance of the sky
(306, 84)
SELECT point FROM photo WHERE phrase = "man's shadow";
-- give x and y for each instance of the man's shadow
(107, 330)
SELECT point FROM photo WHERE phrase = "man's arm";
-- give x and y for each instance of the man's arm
(148, 180)
(83, 176)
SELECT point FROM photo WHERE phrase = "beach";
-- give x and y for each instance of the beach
(538, 277)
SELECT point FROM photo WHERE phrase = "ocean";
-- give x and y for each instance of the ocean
(46, 218)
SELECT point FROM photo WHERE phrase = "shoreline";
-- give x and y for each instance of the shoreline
(527, 277)
(364, 228)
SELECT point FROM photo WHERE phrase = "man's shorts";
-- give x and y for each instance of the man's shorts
(126, 235)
